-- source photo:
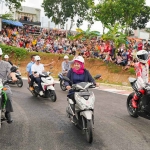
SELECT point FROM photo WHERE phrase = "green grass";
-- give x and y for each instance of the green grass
(131, 71)
(113, 68)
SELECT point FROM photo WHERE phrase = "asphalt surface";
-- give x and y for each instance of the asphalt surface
(40, 124)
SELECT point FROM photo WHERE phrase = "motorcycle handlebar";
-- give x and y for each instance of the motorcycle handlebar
(91, 86)
(7, 81)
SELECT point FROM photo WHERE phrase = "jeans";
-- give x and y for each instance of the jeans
(38, 81)
(32, 80)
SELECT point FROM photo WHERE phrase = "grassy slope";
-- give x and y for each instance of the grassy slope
(111, 73)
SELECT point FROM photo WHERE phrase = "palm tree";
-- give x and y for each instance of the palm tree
(114, 34)
(84, 35)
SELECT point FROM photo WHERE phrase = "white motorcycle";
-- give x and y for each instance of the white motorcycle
(47, 82)
(84, 107)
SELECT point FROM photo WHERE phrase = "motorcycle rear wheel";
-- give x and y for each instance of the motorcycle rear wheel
(132, 111)
(89, 131)
(19, 82)
(62, 85)
(52, 95)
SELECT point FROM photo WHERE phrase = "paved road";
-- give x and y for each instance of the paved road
(40, 124)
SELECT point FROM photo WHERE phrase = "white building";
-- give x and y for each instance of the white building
(28, 15)
(142, 34)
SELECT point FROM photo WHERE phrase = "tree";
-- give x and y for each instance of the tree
(84, 35)
(7, 16)
(142, 19)
(107, 12)
(13, 3)
(62, 10)
(114, 34)
(131, 13)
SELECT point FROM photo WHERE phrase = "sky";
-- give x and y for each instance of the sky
(96, 26)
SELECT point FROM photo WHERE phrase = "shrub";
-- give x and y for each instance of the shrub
(15, 52)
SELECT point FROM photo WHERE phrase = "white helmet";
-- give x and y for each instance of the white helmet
(6, 56)
(37, 58)
(142, 56)
(79, 58)
(66, 57)
(1, 53)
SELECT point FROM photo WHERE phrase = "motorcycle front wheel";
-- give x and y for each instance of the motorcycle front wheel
(19, 82)
(52, 95)
(89, 131)
(132, 111)
(62, 85)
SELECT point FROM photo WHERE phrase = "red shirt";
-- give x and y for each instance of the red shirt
(140, 46)
(87, 54)
(21, 44)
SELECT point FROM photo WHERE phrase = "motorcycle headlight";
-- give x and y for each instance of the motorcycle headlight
(85, 104)
(80, 101)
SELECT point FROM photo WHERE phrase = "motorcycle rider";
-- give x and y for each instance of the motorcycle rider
(5, 72)
(39, 68)
(77, 74)
(142, 74)
(31, 78)
(6, 57)
(29, 72)
(66, 64)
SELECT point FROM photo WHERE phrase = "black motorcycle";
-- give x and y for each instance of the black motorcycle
(143, 108)
(62, 81)
(19, 82)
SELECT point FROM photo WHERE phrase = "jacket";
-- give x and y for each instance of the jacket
(87, 77)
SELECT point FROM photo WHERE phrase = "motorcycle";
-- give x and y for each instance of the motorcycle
(19, 82)
(84, 107)
(47, 83)
(143, 109)
(3, 100)
(62, 82)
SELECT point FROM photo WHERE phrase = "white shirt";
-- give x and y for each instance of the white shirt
(39, 68)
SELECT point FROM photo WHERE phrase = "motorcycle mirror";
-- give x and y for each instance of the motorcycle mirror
(97, 76)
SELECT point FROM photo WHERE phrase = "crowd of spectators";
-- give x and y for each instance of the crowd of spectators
(55, 41)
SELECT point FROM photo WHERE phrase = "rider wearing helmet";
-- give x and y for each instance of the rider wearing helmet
(142, 74)
(37, 68)
(77, 74)
(66, 64)
(30, 76)
(6, 57)
(5, 73)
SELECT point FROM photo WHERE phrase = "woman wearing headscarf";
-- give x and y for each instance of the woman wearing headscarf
(76, 75)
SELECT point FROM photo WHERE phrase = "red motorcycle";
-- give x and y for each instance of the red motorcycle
(143, 109)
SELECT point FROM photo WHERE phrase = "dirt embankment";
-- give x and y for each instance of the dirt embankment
(95, 66)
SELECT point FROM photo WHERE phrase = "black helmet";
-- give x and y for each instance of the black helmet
(13, 69)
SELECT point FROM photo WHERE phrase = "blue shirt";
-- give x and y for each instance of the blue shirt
(29, 67)
(125, 56)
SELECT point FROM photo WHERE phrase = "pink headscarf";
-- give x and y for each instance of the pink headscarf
(81, 70)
